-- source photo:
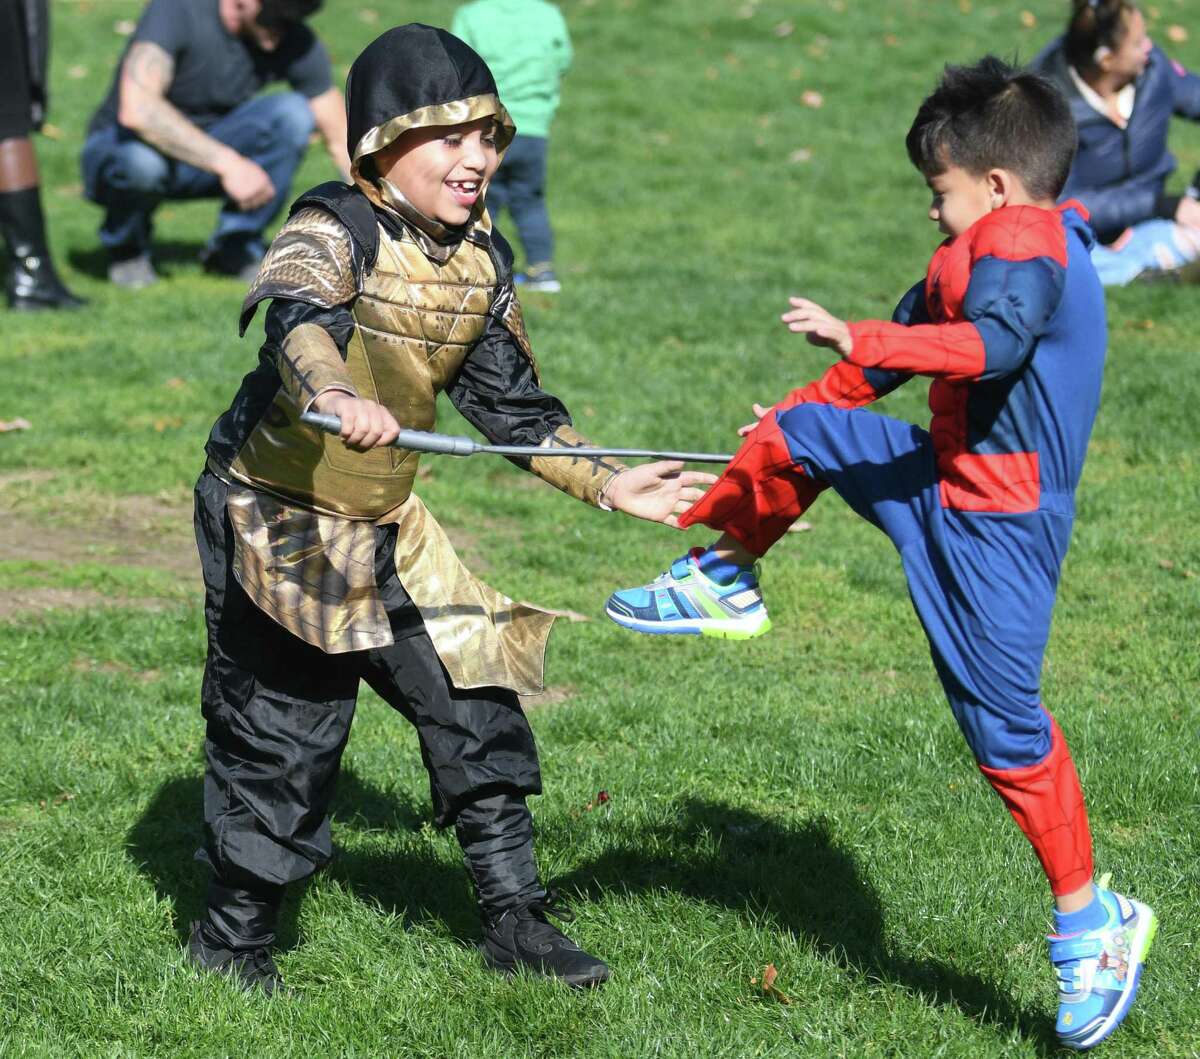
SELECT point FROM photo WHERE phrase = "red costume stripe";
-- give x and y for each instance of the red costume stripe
(949, 351)
(1047, 803)
(843, 385)
(759, 494)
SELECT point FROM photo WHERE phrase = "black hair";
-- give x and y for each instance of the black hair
(1095, 24)
(278, 14)
(994, 116)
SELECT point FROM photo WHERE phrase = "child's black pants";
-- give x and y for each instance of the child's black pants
(278, 715)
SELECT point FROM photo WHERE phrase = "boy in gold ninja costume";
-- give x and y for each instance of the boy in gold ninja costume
(323, 569)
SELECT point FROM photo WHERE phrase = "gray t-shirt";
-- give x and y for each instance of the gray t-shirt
(214, 71)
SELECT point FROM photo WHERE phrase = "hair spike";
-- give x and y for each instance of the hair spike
(992, 115)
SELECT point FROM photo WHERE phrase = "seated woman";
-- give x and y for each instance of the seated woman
(1123, 91)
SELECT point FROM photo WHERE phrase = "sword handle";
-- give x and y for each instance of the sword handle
(416, 440)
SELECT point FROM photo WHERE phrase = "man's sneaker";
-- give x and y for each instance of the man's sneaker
(132, 273)
(524, 938)
(1099, 970)
(538, 278)
(685, 601)
(249, 969)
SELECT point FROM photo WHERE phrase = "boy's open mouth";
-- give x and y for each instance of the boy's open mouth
(465, 191)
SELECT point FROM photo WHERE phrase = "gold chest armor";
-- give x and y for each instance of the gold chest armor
(415, 321)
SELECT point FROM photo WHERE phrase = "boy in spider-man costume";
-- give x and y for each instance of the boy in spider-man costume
(1009, 324)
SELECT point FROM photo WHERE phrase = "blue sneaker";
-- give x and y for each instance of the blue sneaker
(541, 278)
(684, 601)
(1099, 970)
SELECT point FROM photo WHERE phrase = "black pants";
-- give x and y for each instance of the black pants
(279, 714)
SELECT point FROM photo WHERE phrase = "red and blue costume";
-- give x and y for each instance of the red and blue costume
(1010, 325)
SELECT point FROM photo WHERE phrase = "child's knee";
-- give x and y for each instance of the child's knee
(1006, 737)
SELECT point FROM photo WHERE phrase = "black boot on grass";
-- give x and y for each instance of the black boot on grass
(496, 835)
(32, 282)
(236, 934)
(523, 937)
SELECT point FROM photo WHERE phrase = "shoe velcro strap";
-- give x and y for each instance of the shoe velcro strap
(1070, 949)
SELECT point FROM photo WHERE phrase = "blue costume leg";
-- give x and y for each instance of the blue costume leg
(984, 601)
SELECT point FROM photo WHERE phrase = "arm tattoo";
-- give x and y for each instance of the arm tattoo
(146, 74)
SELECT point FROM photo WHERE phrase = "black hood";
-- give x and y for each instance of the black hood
(414, 76)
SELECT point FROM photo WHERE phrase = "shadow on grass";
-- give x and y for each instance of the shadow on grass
(723, 856)
(167, 255)
(802, 880)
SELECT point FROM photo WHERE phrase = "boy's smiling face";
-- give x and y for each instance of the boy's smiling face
(442, 169)
(960, 199)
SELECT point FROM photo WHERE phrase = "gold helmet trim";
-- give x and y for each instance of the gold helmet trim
(457, 112)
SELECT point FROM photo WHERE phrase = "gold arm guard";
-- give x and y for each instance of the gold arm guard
(310, 260)
(310, 364)
(585, 477)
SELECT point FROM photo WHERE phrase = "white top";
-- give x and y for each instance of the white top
(1124, 98)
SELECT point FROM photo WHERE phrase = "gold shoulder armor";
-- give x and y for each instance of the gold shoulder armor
(310, 260)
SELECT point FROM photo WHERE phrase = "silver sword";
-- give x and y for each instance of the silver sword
(460, 445)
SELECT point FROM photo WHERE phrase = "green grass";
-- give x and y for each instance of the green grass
(803, 800)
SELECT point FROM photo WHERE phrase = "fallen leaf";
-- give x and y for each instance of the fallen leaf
(14, 424)
(745, 11)
(1177, 34)
(712, 73)
(175, 383)
(766, 982)
(812, 99)
(785, 28)
(77, 72)
(964, 6)
(1028, 19)
(801, 154)
(800, 527)
(1166, 564)
(124, 27)
(165, 423)
(51, 132)
(368, 15)
(890, 40)
(63, 797)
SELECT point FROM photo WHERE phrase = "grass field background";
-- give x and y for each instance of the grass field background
(803, 800)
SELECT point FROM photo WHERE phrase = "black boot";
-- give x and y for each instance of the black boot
(496, 835)
(32, 282)
(236, 934)
(523, 937)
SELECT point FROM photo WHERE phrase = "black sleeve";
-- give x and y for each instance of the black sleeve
(497, 392)
(308, 68)
(284, 315)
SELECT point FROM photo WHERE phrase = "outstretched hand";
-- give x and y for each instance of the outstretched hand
(819, 326)
(658, 492)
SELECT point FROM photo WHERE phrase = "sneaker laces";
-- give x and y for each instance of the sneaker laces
(257, 960)
(551, 905)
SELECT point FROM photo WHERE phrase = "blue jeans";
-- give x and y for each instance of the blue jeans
(129, 178)
(520, 184)
(1153, 245)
